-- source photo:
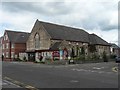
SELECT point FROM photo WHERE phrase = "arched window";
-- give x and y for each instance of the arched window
(37, 40)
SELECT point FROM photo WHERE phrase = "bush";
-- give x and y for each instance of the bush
(17, 59)
(39, 62)
(24, 58)
(112, 56)
(105, 59)
(95, 57)
(56, 59)
(89, 58)
(81, 57)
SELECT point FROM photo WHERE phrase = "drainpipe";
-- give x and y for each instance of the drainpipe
(10, 52)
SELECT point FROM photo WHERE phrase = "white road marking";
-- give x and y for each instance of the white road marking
(96, 68)
(5, 82)
(74, 81)
(93, 71)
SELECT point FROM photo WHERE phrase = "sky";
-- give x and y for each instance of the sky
(94, 16)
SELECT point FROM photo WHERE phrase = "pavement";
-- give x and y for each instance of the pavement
(90, 75)
(8, 84)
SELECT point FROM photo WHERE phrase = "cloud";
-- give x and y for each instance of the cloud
(48, 8)
(110, 36)
(93, 16)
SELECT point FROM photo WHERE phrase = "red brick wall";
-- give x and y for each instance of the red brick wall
(6, 49)
(20, 48)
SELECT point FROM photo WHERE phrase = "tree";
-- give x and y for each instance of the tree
(105, 57)
(72, 53)
(82, 51)
(92, 48)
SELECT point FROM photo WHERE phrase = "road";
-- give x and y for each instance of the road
(94, 75)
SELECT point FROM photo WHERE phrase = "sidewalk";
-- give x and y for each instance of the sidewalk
(7, 84)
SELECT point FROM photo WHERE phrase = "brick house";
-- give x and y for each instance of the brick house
(45, 38)
(1, 47)
(13, 43)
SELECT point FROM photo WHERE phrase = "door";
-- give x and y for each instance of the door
(31, 57)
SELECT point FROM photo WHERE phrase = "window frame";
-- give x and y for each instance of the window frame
(37, 40)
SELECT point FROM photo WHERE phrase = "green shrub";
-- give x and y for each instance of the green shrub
(24, 58)
(112, 56)
(81, 57)
(88, 58)
(18, 59)
(95, 57)
(105, 59)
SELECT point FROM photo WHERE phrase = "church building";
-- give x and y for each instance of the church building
(62, 42)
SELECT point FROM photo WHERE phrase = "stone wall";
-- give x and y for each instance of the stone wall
(44, 38)
(100, 49)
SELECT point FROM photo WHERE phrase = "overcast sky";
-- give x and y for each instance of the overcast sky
(94, 16)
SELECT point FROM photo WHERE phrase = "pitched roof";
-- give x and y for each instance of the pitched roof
(55, 46)
(94, 39)
(17, 37)
(65, 33)
(114, 45)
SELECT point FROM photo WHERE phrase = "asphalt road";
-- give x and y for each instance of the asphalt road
(95, 75)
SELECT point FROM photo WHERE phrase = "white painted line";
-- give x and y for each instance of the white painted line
(10, 83)
(96, 68)
(93, 71)
(74, 81)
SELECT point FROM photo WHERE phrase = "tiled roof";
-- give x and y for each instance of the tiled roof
(73, 34)
(55, 46)
(94, 39)
(65, 33)
(114, 45)
(17, 37)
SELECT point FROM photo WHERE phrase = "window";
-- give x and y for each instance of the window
(1, 41)
(12, 54)
(7, 45)
(6, 37)
(37, 41)
(12, 46)
(3, 46)
(3, 54)
(7, 54)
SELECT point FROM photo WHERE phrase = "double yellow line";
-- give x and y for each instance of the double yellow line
(29, 87)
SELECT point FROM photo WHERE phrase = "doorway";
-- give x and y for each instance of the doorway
(31, 57)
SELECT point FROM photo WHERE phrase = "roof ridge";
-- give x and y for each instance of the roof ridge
(101, 38)
(62, 25)
(16, 31)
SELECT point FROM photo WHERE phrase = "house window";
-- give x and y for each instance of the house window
(12, 54)
(7, 54)
(6, 37)
(3, 54)
(1, 41)
(12, 45)
(37, 41)
(3, 46)
(7, 45)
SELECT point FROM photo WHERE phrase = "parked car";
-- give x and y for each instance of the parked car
(117, 59)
